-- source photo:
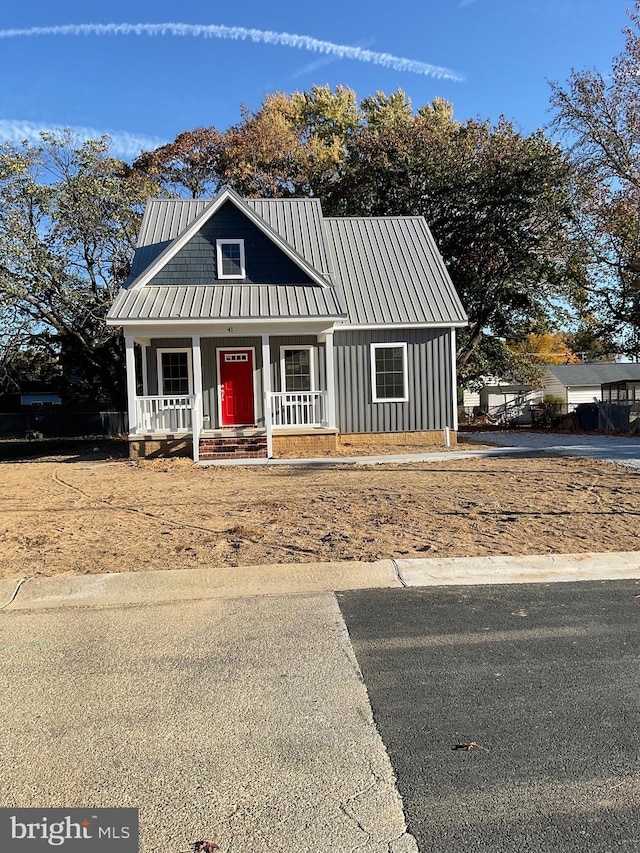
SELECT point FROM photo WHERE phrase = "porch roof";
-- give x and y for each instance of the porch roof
(226, 301)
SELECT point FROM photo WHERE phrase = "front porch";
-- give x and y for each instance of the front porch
(230, 397)
(247, 443)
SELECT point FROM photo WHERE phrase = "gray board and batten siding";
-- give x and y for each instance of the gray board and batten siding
(429, 358)
(429, 405)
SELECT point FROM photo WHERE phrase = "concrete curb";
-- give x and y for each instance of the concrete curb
(190, 584)
(546, 568)
(136, 588)
(8, 591)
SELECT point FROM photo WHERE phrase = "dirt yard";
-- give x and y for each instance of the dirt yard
(62, 517)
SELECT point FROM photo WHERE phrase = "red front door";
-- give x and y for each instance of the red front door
(236, 387)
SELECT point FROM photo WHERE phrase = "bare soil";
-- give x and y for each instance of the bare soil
(78, 517)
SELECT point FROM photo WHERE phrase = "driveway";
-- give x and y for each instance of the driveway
(245, 720)
(608, 448)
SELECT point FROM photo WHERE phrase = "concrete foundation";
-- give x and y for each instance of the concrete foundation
(160, 448)
(435, 437)
(301, 444)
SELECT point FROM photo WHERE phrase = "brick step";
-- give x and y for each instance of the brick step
(233, 448)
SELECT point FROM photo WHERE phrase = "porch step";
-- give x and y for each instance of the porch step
(238, 447)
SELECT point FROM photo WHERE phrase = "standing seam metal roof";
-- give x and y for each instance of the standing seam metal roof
(226, 301)
(385, 270)
(390, 271)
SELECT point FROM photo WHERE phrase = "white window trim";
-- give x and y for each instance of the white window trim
(312, 367)
(159, 353)
(226, 242)
(405, 377)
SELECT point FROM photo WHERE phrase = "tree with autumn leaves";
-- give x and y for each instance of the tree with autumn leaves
(598, 116)
(532, 232)
(497, 201)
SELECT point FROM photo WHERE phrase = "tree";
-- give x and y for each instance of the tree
(69, 217)
(600, 117)
(545, 348)
(293, 145)
(497, 202)
(190, 163)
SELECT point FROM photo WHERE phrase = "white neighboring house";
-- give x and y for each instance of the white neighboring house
(500, 400)
(582, 383)
(572, 383)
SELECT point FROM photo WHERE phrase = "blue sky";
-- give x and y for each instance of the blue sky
(146, 89)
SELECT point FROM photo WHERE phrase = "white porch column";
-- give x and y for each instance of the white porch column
(454, 381)
(145, 371)
(266, 389)
(130, 361)
(198, 411)
(331, 380)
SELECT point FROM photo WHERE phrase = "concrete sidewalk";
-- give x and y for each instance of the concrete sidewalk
(141, 588)
(397, 458)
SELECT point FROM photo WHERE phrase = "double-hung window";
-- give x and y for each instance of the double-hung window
(230, 258)
(389, 373)
(174, 372)
(296, 365)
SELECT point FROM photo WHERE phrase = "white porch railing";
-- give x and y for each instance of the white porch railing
(299, 408)
(165, 414)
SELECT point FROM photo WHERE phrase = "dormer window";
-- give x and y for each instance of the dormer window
(230, 258)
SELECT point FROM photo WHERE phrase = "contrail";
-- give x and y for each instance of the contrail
(343, 51)
(123, 144)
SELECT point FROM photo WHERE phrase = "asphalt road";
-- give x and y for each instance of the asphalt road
(544, 678)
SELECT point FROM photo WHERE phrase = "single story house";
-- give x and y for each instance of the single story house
(260, 327)
(584, 383)
(496, 398)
